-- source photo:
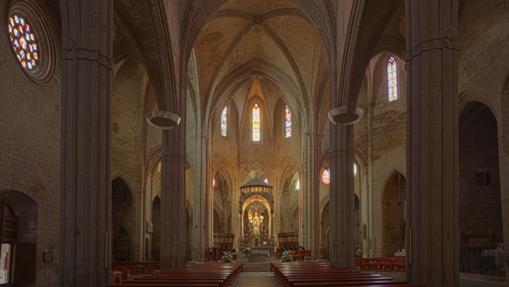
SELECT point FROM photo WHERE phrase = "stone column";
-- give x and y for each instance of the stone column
(86, 142)
(173, 196)
(200, 199)
(432, 160)
(310, 195)
(341, 249)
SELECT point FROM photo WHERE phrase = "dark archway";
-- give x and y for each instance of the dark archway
(222, 204)
(18, 238)
(189, 224)
(480, 212)
(324, 232)
(122, 245)
(217, 222)
(393, 215)
(121, 218)
(356, 226)
(156, 228)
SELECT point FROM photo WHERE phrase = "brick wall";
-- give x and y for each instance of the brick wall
(30, 149)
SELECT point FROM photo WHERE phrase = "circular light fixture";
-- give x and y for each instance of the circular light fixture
(343, 115)
(163, 120)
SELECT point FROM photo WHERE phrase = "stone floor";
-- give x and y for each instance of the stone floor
(256, 279)
(472, 280)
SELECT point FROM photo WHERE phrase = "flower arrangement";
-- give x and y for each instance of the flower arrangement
(227, 257)
(286, 257)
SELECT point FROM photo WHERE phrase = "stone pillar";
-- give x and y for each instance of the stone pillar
(310, 196)
(86, 142)
(173, 196)
(200, 199)
(341, 244)
(432, 160)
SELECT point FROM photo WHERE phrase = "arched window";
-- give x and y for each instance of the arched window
(224, 122)
(288, 122)
(392, 79)
(326, 176)
(256, 132)
(23, 42)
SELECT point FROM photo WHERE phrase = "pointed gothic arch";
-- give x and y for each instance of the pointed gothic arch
(393, 215)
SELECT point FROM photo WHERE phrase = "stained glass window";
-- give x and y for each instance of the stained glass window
(392, 79)
(288, 122)
(354, 168)
(297, 184)
(224, 122)
(326, 176)
(256, 133)
(23, 42)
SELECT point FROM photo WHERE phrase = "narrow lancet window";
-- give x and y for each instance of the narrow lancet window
(288, 122)
(224, 122)
(392, 79)
(256, 131)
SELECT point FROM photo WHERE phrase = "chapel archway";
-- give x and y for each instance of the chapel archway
(122, 245)
(324, 232)
(393, 215)
(357, 226)
(156, 228)
(289, 204)
(480, 212)
(18, 239)
(189, 224)
(256, 211)
(122, 219)
(222, 204)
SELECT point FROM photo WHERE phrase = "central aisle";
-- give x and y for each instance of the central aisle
(256, 279)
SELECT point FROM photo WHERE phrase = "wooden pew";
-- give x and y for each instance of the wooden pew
(316, 274)
(202, 275)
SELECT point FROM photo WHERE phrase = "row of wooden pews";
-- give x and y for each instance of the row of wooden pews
(321, 274)
(397, 264)
(200, 275)
(121, 271)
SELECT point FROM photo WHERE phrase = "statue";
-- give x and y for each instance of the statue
(256, 221)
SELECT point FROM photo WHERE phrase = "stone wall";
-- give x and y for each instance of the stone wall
(30, 148)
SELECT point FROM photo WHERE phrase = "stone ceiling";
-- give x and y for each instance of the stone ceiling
(271, 33)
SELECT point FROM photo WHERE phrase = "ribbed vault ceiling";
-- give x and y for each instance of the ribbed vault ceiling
(274, 33)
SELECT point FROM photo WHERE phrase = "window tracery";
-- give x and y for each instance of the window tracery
(23, 42)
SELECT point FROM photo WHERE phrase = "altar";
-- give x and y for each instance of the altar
(256, 215)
